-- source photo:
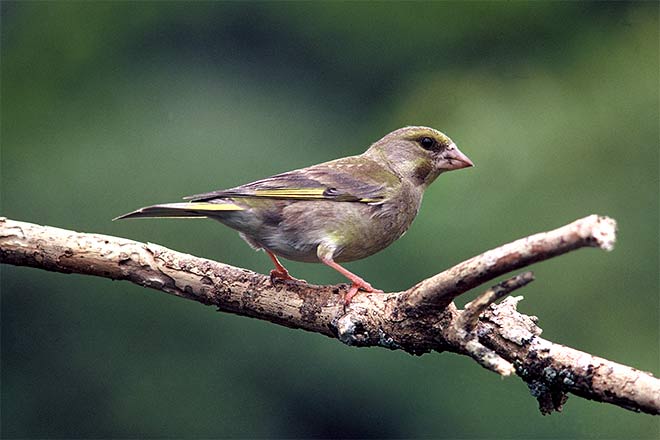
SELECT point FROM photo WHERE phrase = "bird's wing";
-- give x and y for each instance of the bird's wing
(352, 179)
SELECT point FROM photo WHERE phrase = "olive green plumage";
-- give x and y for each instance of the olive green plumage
(337, 211)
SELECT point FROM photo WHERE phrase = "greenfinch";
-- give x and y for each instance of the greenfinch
(333, 212)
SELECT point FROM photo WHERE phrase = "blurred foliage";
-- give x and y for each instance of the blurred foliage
(109, 106)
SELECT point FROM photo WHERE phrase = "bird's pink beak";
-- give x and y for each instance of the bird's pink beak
(454, 159)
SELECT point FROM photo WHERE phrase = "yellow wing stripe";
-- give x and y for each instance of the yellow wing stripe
(199, 206)
(306, 193)
(291, 192)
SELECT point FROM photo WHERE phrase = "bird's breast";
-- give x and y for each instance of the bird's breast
(376, 227)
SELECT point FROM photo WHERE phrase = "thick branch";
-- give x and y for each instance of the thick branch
(497, 336)
(227, 287)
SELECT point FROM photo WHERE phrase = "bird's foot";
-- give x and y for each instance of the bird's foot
(280, 272)
(358, 284)
(283, 275)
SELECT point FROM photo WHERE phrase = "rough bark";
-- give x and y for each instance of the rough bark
(418, 320)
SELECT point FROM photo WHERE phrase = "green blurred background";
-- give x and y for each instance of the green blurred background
(110, 106)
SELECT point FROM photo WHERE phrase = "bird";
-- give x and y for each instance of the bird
(333, 212)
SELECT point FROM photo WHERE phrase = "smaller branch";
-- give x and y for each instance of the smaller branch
(470, 316)
(487, 358)
(461, 332)
(437, 292)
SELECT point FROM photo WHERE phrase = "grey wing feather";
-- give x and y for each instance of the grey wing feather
(324, 181)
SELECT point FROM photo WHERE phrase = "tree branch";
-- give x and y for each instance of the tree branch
(441, 289)
(462, 334)
(473, 310)
(418, 320)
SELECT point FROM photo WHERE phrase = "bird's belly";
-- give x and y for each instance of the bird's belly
(290, 247)
(356, 230)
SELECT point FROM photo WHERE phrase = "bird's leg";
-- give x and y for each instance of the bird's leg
(280, 272)
(357, 283)
(350, 294)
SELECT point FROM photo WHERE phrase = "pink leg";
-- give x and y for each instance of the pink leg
(356, 282)
(350, 294)
(280, 271)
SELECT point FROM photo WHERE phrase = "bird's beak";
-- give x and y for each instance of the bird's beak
(454, 159)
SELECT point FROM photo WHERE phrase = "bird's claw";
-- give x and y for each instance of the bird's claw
(355, 287)
(367, 288)
(283, 276)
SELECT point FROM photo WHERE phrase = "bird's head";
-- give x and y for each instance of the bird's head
(418, 153)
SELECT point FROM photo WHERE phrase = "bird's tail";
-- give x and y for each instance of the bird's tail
(182, 210)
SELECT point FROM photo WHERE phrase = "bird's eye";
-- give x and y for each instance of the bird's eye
(427, 143)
